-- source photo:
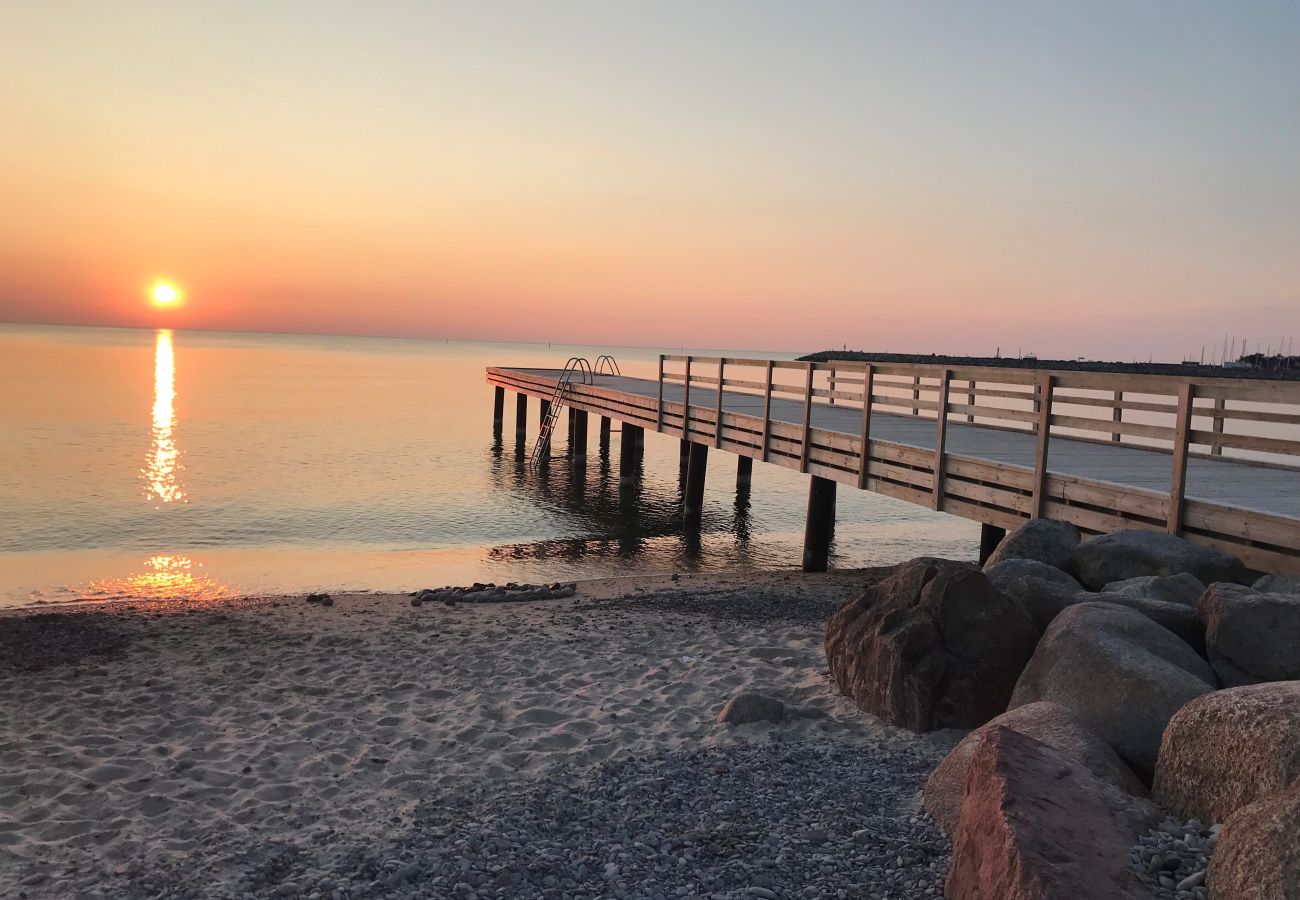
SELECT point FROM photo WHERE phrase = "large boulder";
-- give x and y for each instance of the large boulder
(1184, 588)
(1181, 619)
(1038, 825)
(1120, 673)
(1278, 584)
(1010, 570)
(1251, 636)
(1258, 856)
(1121, 555)
(1044, 540)
(934, 645)
(1049, 723)
(1225, 750)
(1044, 599)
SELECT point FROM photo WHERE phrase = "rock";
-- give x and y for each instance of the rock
(1037, 824)
(1120, 673)
(1228, 749)
(1044, 599)
(934, 645)
(1043, 540)
(1258, 856)
(1181, 619)
(1010, 570)
(1251, 636)
(1278, 584)
(1049, 723)
(1182, 588)
(1122, 555)
(748, 707)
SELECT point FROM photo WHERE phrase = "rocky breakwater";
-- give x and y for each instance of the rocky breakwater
(1117, 650)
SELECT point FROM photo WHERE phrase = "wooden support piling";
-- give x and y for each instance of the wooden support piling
(819, 526)
(696, 468)
(717, 409)
(627, 453)
(806, 444)
(685, 451)
(498, 407)
(744, 470)
(604, 434)
(686, 402)
(521, 414)
(578, 432)
(543, 410)
(767, 412)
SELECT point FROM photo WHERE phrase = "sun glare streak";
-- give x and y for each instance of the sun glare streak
(163, 466)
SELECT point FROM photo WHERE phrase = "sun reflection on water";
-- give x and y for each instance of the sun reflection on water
(163, 578)
(163, 465)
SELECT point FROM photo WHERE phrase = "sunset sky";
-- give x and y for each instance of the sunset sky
(1098, 179)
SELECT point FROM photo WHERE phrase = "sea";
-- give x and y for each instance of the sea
(169, 464)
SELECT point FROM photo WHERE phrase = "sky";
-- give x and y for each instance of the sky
(1102, 179)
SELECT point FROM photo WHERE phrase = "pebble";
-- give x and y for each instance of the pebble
(1172, 860)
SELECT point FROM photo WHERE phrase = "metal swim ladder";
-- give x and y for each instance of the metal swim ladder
(578, 367)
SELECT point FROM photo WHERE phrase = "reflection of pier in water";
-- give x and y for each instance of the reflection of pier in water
(619, 515)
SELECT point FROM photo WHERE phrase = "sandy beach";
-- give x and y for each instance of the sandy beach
(274, 747)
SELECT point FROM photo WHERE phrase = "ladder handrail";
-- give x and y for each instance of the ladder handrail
(579, 366)
(607, 360)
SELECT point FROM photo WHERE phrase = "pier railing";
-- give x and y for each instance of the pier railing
(1250, 421)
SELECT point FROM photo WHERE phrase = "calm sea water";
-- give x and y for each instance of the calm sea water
(197, 464)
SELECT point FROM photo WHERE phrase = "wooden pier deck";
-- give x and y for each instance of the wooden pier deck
(1214, 460)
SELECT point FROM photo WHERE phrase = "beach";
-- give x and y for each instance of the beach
(277, 747)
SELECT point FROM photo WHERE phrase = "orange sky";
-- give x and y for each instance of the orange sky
(918, 177)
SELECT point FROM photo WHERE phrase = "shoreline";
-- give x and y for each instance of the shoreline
(251, 744)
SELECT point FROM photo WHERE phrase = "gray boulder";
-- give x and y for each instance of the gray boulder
(1251, 636)
(1042, 540)
(748, 707)
(1044, 599)
(934, 645)
(1179, 618)
(1122, 555)
(1010, 570)
(1278, 584)
(1182, 588)
(1050, 723)
(1119, 673)
(1229, 749)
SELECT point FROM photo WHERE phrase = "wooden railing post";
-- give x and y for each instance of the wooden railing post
(805, 451)
(830, 381)
(916, 393)
(660, 425)
(1043, 405)
(970, 401)
(717, 412)
(1117, 415)
(767, 410)
(1217, 425)
(868, 382)
(686, 402)
(940, 438)
(1178, 480)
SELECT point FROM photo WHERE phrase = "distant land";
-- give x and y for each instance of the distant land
(1278, 368)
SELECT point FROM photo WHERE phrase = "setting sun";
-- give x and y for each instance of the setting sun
(164, 293)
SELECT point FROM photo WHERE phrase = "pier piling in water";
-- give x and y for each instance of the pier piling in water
(498, 409)
(696, 468)
(820, 525)
(543, 410)
(521, 414)
(604, 434)
(577, 432)
(744, 471)
(628, 452)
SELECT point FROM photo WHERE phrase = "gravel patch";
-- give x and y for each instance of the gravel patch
(1173, 859)
(816, 819)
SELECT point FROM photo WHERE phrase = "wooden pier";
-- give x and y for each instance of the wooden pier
(1214, 460)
